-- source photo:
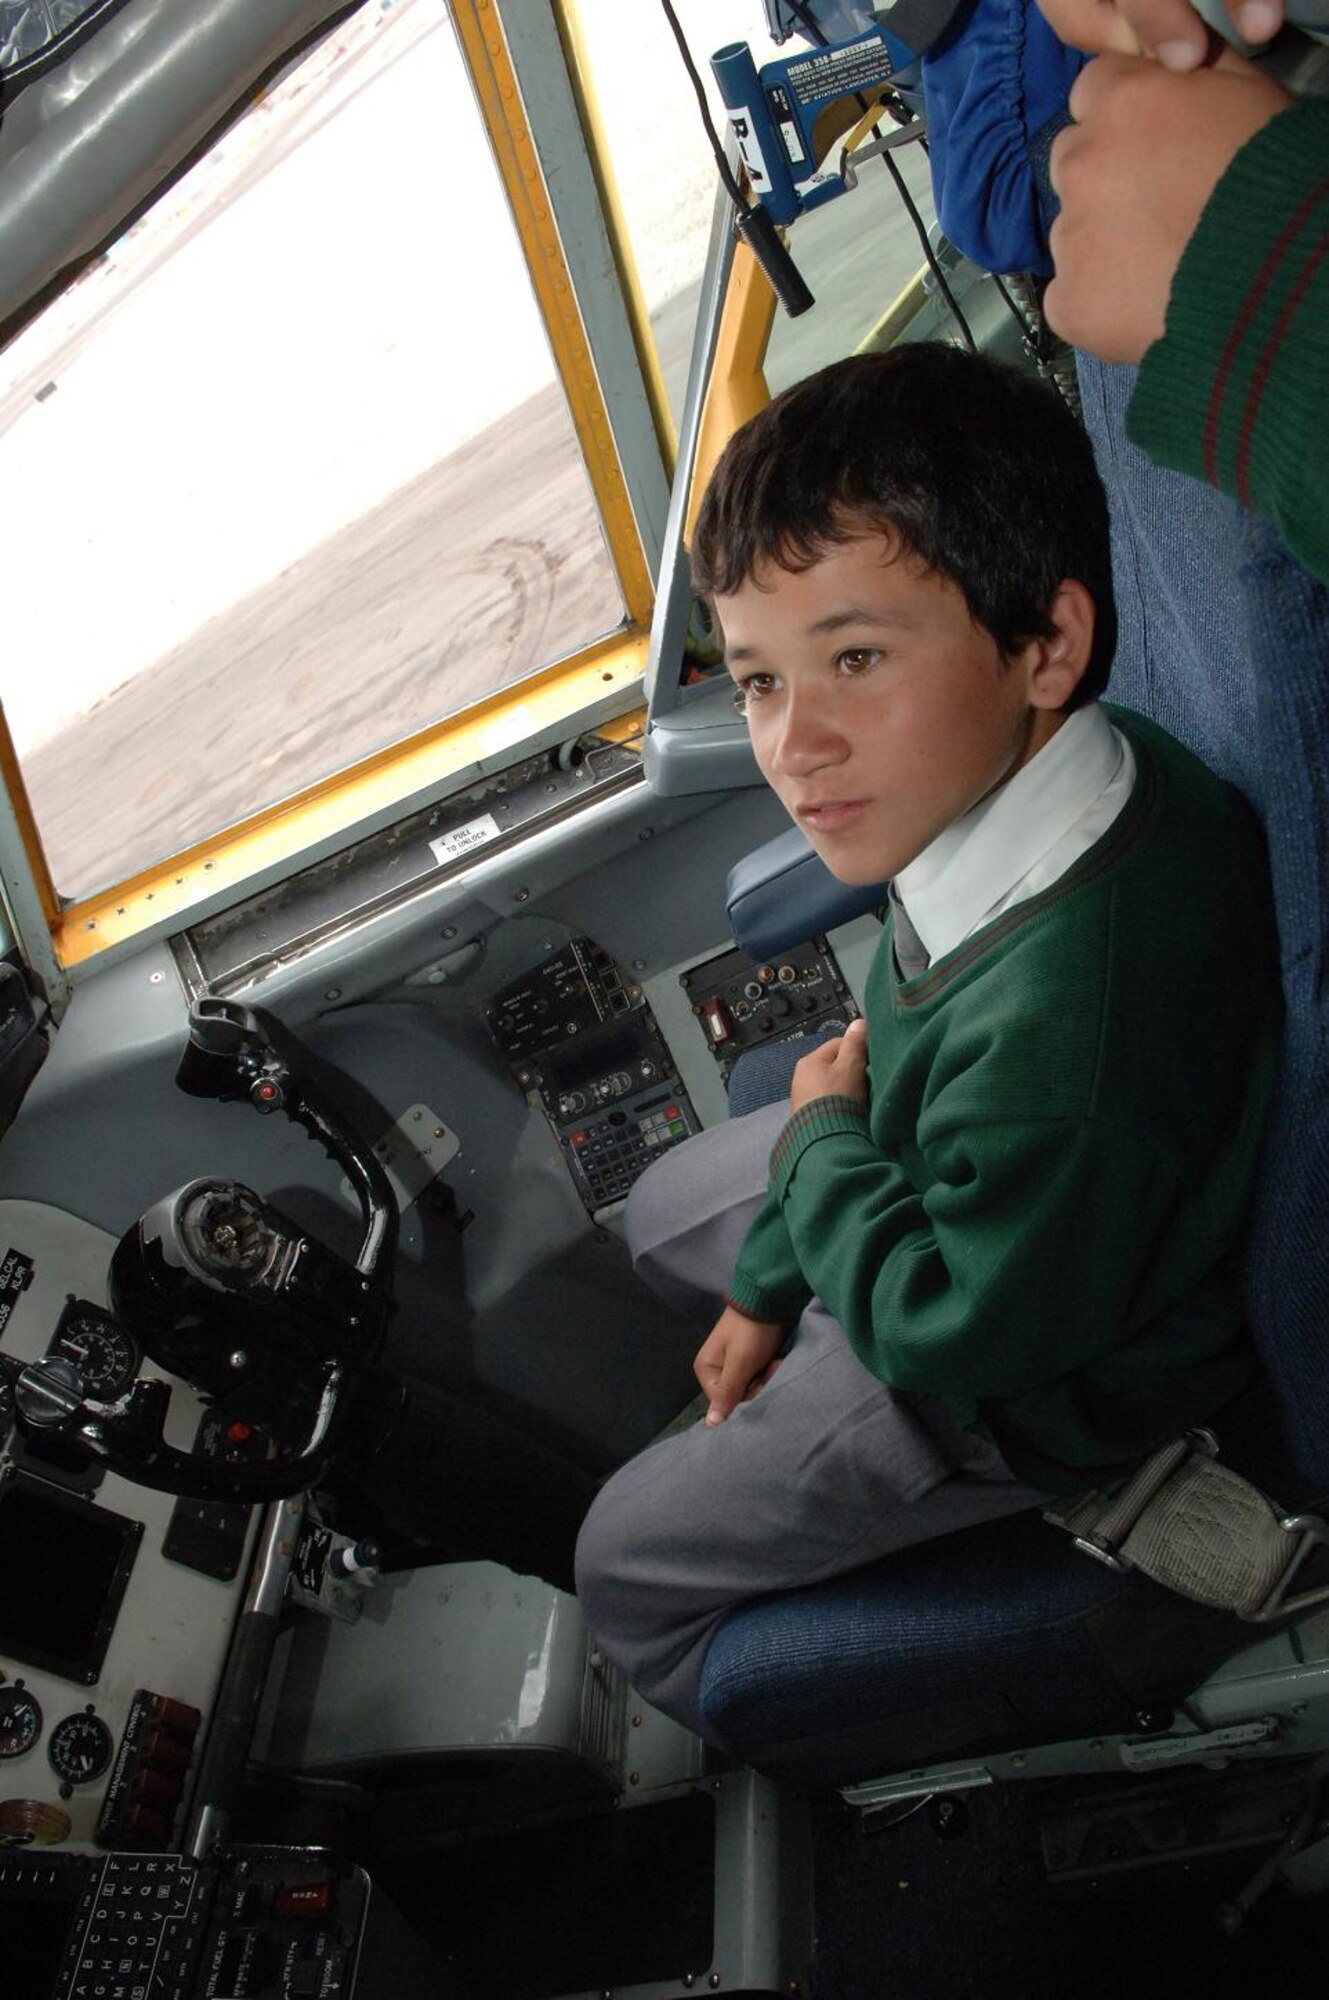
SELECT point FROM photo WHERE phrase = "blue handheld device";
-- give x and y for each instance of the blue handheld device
(787, 116)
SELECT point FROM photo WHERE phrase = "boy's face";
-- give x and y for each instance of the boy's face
(879, 711)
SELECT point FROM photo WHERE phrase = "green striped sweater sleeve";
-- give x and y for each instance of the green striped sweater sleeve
(1237, 389)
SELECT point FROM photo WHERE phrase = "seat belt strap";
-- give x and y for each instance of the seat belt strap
(1197, 1528)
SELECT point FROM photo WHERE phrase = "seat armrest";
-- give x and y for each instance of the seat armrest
(783, 893)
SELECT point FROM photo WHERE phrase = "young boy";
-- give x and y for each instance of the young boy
(1002, 1214)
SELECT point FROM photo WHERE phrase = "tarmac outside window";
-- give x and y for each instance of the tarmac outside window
(288, 474)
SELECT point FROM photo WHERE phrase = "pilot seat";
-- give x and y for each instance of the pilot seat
(1003, 1651)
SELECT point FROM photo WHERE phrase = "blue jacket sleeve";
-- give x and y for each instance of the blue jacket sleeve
(996, 90)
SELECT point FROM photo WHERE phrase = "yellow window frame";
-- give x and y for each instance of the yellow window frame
(596, 681)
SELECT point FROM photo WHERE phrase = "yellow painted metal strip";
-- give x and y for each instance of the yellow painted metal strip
(485, 734)
(11, 776)
(897, 318)
(737, 388)
(485, 50)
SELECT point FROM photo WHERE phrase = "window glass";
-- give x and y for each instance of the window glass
(856, 254)
(287, 475)
(663, 167)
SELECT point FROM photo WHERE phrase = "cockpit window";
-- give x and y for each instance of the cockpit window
(288, 473)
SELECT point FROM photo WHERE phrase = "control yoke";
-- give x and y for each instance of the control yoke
(224, 1291)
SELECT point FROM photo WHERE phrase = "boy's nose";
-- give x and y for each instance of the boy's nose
(809, 738)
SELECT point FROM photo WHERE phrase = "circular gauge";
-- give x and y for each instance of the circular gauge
(80, 1748)
(20, 1720)
(105, 1356)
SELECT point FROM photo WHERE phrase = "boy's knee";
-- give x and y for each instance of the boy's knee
(636, 1626)
(603, 1557)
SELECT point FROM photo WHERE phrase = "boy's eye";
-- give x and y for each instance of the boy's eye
(857, 659)
(754, 688)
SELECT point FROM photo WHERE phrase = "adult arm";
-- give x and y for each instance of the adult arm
(1134, 174)
(1194, 238)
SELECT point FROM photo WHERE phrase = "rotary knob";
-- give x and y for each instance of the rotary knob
(49, 1394)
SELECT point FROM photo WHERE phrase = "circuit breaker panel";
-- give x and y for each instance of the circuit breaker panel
(742, 1003)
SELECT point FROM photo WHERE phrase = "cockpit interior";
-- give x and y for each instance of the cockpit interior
(318, 1328)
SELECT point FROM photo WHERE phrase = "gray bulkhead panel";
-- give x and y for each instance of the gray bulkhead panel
(532, 1298)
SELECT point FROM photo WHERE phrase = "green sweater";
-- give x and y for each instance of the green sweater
(1237, 389)
(1038, 1215)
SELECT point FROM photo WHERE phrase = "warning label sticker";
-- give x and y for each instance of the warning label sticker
(835, 72)
(464, 839)
(749, 145)
(15, 1277)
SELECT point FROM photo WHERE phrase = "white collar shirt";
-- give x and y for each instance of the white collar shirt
(1022, 837)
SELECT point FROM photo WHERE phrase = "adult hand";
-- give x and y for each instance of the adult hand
(1169, 30)
(736, 1359)
(1133, 175)
(838, 1068)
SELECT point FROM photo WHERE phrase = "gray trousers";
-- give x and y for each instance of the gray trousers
(823, 1470)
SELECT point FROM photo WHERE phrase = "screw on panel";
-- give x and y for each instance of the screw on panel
(521, 895)
(156, 978)
(333, 993)
(714, 1979)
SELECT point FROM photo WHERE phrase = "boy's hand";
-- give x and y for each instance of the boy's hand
(736, 1359)
(838, 1068)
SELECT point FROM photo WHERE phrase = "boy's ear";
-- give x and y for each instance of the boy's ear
(1056, 665)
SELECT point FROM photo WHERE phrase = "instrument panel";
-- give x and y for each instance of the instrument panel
(583, 1044)
(110, 1650)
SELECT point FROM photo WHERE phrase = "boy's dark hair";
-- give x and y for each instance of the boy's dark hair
(981, 471)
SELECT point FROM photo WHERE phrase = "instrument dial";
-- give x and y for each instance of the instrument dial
(80, 1748)
(20, 1720)
(106, 1358)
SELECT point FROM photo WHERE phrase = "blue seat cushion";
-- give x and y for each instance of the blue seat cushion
(996, 1639)
(783, 893)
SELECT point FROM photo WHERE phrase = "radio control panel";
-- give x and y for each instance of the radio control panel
(582, 1043)
(740, 1002)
